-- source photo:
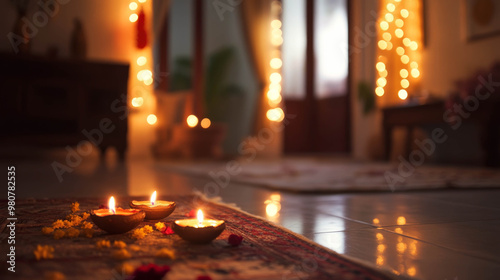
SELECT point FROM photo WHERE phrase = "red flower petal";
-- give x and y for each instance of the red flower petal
(204, 277)
(167, 230)
(235, 240)
(150, 272)
(191, 214)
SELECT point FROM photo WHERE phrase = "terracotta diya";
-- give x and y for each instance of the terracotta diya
(117, 220)
(155, 209)
(198, 230)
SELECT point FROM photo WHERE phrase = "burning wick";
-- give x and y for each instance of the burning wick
(153, 198)
(111, 205)
(200, 218)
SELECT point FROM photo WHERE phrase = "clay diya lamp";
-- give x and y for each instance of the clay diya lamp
(117, 220)
(199, 231)
(155, 209)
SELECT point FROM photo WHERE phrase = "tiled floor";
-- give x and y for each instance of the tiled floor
(428, 235)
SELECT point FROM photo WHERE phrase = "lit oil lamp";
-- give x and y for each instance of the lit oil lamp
(155, 209)
(198, 230)
(117, 220)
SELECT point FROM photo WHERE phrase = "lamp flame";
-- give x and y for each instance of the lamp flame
(111, 205)
(153, 198)
(200, 216)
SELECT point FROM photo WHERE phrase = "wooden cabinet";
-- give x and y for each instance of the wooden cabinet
(63, 102)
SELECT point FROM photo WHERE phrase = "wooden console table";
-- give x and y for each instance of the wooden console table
(410, 116)
(54, 102)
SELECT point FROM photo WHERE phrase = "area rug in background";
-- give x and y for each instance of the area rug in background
(339, 176)
(267, 251)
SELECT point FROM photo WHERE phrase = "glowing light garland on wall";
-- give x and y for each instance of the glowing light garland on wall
(398, 52)
(274, 98)
(140, 64)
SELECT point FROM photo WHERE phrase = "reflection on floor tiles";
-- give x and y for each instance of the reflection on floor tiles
(428, 234)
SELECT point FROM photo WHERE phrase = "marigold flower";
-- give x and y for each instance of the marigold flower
(119, 244)
(75, 207)
(59, 233)
(147, 229)
(165, 253)
(134, 247)
(159, 226)
(58, 224)
(121, 254)
(47, 230)
(43, 252)
(103, 244)
(85, 215)
(87, 225)
(138, 233)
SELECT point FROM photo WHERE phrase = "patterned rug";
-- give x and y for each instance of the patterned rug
(338, 176)
(266, 251)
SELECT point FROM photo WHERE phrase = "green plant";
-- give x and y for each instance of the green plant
(366, 97)
(216, 88)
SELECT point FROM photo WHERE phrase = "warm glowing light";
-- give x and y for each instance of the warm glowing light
(273, 94)
(148, 81)
(401, 247)
(133, 17)
(413, 65)
(405, 83)
(403, 73)
(412, 271)
(275, 78)
(381, 248)
(205, 123)
(272, 209)
(200, 217)
(379, 91)
(277, 33)
(275, 115)
(399, 23)
(142, 1)
(399, 33)
(379, 236)
(402, 94)
(384, 25)
(132, 6)
(415, 73)
(141, 60)
(275, 102)
(405, 59)
(111, 205)
(389, 17)
(383, 74)
(381, 82)
(380, 66)
(276, 87)
(391, 7)
(276, 63)
(382, 44)
(389, 46)
(387, 36)
(380, 260)
(192, 120)
(137, 101)
(144, 75)
(153, 198)
(406, 42)
(400, 50)
(277, 41)
(401, 221)
(152, 119)
(276, 24)
(405, 13)
(414, 46)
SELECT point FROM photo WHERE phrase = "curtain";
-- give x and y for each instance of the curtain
(256, 19)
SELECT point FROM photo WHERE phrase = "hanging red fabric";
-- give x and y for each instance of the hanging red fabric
(142, 36)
